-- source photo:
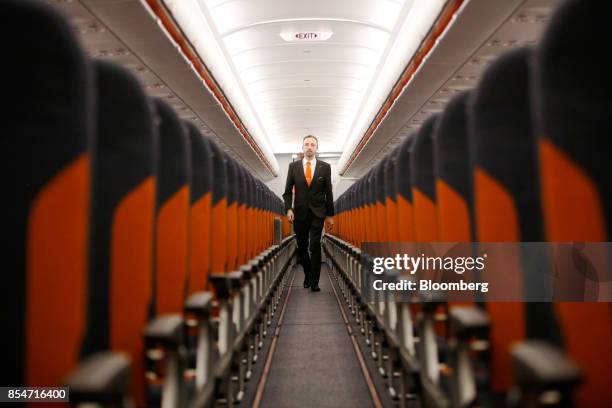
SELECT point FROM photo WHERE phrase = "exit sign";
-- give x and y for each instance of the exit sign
(306, 36)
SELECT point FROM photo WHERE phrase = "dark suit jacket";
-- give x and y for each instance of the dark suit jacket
(318, 197)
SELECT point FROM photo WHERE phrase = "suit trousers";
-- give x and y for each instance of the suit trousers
(309, 229)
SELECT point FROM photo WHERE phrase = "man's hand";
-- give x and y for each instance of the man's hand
(290, 216)
(329, 221)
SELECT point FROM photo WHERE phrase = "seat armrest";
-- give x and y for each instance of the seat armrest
(221, 284)
(541, 365)
(200, 304)
(235, 279)
(258, 261)
(468, 321)
(166, 330)
(432, 298)
(247, 271)
(102, 378)
(254, 265)
(367, 262)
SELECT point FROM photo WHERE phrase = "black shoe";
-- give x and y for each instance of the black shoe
(306, 285)
(315, 288)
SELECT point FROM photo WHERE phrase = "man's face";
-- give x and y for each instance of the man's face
(309, 147)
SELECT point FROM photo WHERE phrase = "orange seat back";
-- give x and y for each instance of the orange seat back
(48, 145)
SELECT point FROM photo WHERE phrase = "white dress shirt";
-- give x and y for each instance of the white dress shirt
(313, 164)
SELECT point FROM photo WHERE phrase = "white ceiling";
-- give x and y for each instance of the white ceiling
(285, 90)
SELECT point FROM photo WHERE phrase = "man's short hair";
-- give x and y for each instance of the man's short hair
(310, 137)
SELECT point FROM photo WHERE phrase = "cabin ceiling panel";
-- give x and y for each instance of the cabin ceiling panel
(320, 90)
(268, 37)
(331, 67)
(285, 84)
(291, 52)
(231, 15)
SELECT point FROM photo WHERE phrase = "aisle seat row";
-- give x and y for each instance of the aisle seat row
(521, 158)
(148, 262)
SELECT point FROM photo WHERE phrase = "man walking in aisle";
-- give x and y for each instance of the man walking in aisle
(313, 204)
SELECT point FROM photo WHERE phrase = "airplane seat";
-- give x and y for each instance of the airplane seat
(172, 208)
(350, 215)
(48, 142)
(241, 227)
(359, 215)
(218, 254)
(506, 196)
(257, 224)
(269, 218)
(360, 212)
(433, 347)
(354, 215)
(232, 213)
(363, 214)
(423, 183)
(362, 229)
(199, 264)
(262, 216)
(339, 216)
(250, 211)
(572, 103)
(171, 252)
(403, 180)
(120, 279)
(373, 232)
(346, 215)
(506, 202)
(256, 217)
(336, 230)
(455, 224)
(452, 173)
(343, 213)
(391, 197)
(200, 198)
(380, 203)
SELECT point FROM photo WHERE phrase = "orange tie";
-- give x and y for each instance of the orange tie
(308, 173)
